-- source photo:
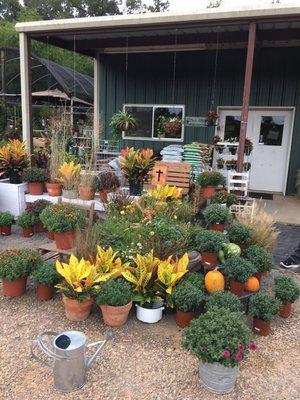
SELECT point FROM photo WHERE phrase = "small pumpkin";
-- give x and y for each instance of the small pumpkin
(214, 281)
(252, 284)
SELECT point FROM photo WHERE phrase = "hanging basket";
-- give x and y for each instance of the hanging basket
(172, 128)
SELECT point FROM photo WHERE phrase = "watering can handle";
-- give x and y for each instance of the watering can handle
(42, 346)
(102, 343)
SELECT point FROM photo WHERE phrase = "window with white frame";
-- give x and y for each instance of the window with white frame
(156, 122)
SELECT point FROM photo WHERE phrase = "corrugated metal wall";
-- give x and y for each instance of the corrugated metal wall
(276, 82)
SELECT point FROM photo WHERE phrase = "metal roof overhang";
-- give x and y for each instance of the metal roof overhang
(277, 26)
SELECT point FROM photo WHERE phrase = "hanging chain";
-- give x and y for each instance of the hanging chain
(174, 67)
(215, 73)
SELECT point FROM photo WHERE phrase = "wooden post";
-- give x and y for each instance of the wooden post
(25, 73)
(246, 95)
(96, 101)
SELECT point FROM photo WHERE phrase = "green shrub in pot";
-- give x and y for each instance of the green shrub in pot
(114, 293)
(240, 234)
(286, 289)
(34, 175)
(186, 296)
(264, 306)
(17, 263)
(39, 205)
(62, 217)
(217, 214)
(6, 218)
(45, 274)
(223, 197)
(238, 269)
(225, 299)
(195, 279)
(260, 258)
(209, 241)
(107, 180)
(210, 178)
(27, 219)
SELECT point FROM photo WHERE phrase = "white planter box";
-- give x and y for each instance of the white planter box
(99, 206)
(12, 197)
(29, 198)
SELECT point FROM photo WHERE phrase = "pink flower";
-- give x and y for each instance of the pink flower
(239, 356)
(226, 354)
(252, 346)
(240, 348)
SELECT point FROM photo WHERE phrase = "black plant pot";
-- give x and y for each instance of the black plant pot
(15, 178)
(135, 188)
(220, 166)
(247, 151)
(220, 149)
(233, 150)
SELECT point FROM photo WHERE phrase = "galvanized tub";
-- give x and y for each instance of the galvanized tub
(217, 378)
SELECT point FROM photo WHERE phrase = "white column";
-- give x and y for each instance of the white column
(97, 100)
(25, 74)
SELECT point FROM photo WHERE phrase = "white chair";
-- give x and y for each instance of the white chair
(238, 182)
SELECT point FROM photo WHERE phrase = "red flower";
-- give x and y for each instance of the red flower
(239, 356)
(226, 354)
(252, 346)
(240, 348)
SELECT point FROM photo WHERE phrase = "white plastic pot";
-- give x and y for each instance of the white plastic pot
(149, 315)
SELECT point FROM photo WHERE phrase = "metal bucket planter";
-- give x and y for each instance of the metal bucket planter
(70, 193)
(194, 261)
(149, 315)
(217, 378)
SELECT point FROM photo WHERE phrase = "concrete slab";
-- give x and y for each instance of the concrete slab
(284, 209)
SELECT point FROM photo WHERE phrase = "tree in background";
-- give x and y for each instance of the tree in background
(159, 6)
(9, 9)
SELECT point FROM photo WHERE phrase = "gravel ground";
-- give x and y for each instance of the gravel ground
(141, 362)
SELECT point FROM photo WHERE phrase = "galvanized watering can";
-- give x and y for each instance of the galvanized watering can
(68, 351)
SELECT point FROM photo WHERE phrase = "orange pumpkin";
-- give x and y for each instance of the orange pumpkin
(214, 281)
(252, 284)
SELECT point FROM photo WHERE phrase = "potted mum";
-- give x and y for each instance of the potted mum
(122, 122)
(220, 163)
(115, 301)
(248, 147)
(15, 267)
(186, 298)
(225, 299)
(209, 180)
(264, 308)
(169, 126)
(287, 292)
(27, 221)
(78, 288)
(46, 276)
(62, 219)
(13, 160)
(70, 175)
(209, 243)
(135, 165)
(6, 221)
(217, 216)
(35, 177)
(225, 198)
(220, 339)
(240, 234)
(261, 259)
(107, 182)
(37, 207)
(238, 270)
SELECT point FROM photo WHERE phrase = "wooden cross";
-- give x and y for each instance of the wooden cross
(159, 172)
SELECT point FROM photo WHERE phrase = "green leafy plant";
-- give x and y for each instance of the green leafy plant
(27, 219)
(263, 306)
(225, 299)
(216, 214)
(209, 241)
(122, 121)
(39, 205)
(195, 279)
(194, 230)
(16, 264)
(34, 175)
(45, 274)
(62, 217)
(218, 336)
(114, 293)
(186, 296)
(108, 180)
(238, 269)
(223, 197)
(210, 178)
(240, 234)
(6, 218)
(260, 258)
(286, 289)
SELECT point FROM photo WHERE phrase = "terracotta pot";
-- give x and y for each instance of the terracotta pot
(115, 316)
(217, 227)
(5, 230)
(39, 227)
(183, 319)
(103, 195)
(243, 246)
(86, 192)
(285, 310)
(14, 288)
(36, 188)
(77, 310)
(259, 275)
(64, 240)
(28, 232)
(209, 260)
(237, 288)
(54, 189)
(209, 191)
(45, 292)
(50, 235)
(260, 327)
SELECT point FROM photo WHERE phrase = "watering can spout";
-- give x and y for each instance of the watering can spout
(101, 344)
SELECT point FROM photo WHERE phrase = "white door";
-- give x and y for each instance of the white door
(270, 132)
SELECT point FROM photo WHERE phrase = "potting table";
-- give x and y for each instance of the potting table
(49, 251)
